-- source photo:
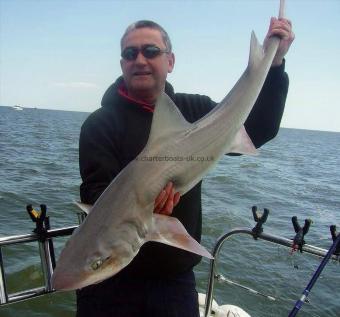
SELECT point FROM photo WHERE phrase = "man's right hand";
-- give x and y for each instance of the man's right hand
(166, 200)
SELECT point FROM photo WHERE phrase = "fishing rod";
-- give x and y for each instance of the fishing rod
(333, 249)
(221, 278)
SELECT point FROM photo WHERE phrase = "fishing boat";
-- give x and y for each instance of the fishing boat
(208, 307)
(17, 107)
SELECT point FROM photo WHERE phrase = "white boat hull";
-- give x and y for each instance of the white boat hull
(221, 311)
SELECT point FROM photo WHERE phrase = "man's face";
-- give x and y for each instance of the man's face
(145, 78)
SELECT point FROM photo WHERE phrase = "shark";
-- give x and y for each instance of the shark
(122, 219)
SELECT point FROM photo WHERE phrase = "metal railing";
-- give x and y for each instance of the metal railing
(46, 252)
(213, 276)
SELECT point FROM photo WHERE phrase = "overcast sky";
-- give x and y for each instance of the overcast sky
(58, 54)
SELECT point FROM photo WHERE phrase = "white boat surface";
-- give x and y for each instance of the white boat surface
(220, 311)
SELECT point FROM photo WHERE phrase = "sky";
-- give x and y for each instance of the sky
(57, 54)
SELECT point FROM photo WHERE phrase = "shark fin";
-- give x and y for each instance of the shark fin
(167, 119)
(242, 143)
(256, 51)
(84, 207)
(170, 231)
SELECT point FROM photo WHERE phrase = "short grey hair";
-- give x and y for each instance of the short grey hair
(151, 25)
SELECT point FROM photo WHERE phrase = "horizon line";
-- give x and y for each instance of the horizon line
(83, 111)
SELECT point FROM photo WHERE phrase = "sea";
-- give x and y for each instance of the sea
(296, 174)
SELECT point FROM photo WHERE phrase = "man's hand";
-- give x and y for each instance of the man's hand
(283, 29)
(166, 200)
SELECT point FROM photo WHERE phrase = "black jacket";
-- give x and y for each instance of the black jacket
(117, 132)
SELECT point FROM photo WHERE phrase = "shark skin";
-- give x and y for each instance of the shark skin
(122, 218)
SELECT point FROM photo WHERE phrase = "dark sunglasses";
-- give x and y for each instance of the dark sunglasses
(148, 51)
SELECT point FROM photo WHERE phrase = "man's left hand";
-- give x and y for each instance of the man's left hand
(283, 29)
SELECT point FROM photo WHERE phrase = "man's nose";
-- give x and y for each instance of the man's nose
(140, 59)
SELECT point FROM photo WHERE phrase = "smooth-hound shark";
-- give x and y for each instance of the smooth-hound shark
(122, 218)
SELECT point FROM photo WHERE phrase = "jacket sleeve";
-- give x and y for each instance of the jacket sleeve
(264, 120)
(98, 160)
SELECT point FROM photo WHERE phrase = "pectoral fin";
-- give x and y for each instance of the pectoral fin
(170, 231)
(84, 207)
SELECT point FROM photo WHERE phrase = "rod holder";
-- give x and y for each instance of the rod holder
(334, 237)
(260, 219)
(299, 239)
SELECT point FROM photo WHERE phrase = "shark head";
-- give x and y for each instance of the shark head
(96, 270)
(79, 269)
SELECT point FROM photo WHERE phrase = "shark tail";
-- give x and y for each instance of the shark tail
(170, 231)
(256, 51)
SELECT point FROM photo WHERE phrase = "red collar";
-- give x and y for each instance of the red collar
(123, 92)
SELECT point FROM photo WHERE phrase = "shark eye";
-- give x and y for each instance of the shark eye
(96, 264)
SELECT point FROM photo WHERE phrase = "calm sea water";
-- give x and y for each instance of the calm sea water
(295, 174)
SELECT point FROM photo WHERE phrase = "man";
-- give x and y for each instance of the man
(160, 280)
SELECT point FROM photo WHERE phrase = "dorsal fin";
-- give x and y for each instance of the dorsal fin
(167, 119)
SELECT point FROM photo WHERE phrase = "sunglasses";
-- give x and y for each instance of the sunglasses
(148, 51)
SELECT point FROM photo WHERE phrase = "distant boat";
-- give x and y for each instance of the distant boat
(17, 107)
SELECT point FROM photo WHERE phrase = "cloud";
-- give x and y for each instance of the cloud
(77, 85)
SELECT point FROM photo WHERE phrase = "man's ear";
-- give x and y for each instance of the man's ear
(171, 59)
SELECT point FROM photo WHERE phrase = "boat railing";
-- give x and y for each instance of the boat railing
(46, 252)
(44, 238)
(214, 276)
